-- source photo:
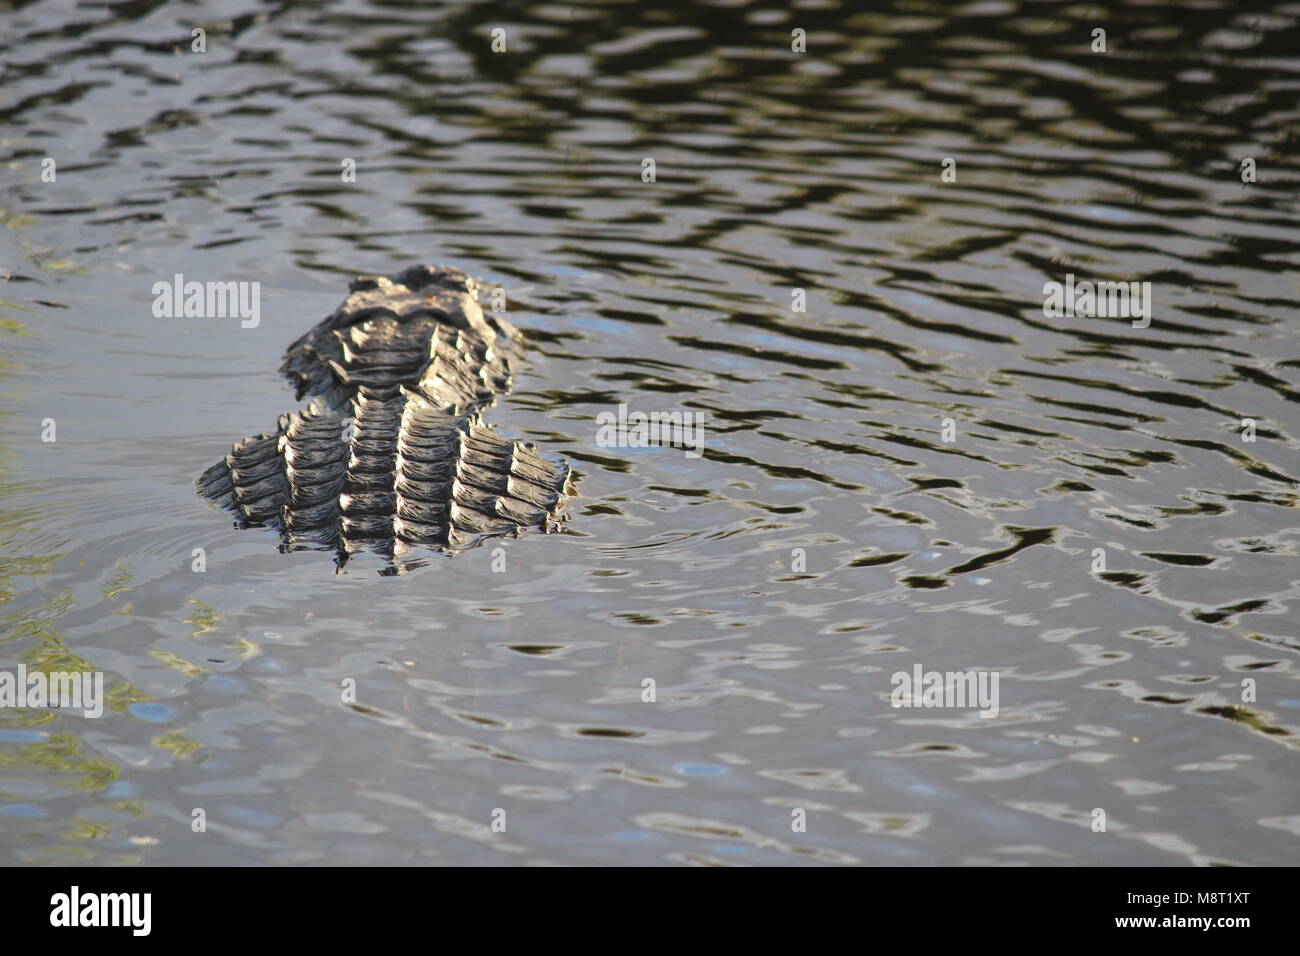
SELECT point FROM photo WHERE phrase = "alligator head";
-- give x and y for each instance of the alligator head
(392, 455)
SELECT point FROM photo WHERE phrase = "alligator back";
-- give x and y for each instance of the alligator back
(392, 456)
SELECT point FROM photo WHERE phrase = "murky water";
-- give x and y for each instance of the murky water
(920, 468)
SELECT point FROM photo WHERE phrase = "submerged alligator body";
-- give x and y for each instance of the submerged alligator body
(392, 456)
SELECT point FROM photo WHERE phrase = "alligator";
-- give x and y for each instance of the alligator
(392, 456)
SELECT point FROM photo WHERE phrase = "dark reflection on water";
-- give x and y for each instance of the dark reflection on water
(828, 537)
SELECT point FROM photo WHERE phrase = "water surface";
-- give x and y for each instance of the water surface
(828, 537)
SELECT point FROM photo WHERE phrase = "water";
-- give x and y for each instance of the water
(828, 537)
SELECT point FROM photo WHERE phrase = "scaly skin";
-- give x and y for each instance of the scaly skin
(412, 360)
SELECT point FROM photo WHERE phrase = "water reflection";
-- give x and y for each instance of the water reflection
(831, 534)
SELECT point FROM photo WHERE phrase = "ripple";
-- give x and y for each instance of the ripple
(903, 452)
